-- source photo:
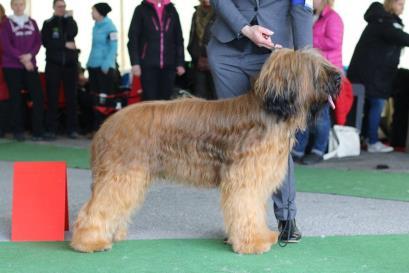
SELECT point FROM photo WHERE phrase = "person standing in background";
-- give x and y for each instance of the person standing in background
(202, 20)
(156, 48)
(375, 64)
(21, 41)
(101, 63)
(58, 35)
(328, 31)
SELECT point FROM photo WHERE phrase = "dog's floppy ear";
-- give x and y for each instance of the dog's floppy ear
(282, 103)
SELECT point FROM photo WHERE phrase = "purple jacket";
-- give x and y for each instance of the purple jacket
(328, 32)
(16, 41)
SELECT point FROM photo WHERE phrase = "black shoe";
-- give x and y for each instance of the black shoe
(73, 135)
(311, 159)
(289, 233)
(297, 158)
(19, 137)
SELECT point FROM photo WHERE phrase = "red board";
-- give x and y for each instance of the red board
(40, 201)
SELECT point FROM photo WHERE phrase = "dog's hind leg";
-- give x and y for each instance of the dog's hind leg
(104, 218)
(245, 219)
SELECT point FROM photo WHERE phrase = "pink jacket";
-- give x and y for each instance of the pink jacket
(328, 32)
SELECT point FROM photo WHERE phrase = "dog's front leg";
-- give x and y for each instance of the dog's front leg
(245, 219)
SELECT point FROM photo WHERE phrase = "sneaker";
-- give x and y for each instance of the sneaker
(311, 159)
(289, 232)
(379, 147)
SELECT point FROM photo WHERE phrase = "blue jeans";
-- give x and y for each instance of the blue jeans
(374, 117)
(320, 128)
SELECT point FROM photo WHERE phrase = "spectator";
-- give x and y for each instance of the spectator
(202, 20)
(328, 33)
(375, 63)
(21, 41)
(4, 92)
(156, 48)
(102, 60)
(58, 34)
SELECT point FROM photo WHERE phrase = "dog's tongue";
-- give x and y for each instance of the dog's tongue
(331, 102)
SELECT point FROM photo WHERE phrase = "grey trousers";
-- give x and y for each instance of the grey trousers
(232, 71)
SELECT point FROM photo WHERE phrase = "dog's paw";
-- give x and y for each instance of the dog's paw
(256, 247)
(90, 247)
(274, 237)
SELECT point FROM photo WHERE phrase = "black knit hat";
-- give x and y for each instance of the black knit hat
(102, 8)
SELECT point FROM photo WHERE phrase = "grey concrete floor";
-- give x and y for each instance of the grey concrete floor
(175, 211)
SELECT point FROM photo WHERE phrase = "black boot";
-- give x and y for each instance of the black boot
(289, 232)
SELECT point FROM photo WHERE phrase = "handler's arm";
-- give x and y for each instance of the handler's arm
(228, 11)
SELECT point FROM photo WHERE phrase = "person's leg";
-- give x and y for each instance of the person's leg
(106, 83)
(211, 92)
(374, 118)
(94, 84)
(322, 128)
(70, 80)
(36, 93)
(200, 84)
(400, 118)
(4, 116)
(14, 80)
(53, 76)
(229, 78)
(302, 138)
(150, 83)
(166, 83)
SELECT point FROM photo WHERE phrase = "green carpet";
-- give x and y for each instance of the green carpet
(368, 184)
(15, 151)
(359, 254)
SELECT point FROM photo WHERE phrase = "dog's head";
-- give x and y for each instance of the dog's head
(295, 84)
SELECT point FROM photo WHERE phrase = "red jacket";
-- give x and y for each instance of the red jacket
(344, 102)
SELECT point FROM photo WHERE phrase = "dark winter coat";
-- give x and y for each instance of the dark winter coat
(195, 47)
(376, 56)
(153, 43)
(55, 33)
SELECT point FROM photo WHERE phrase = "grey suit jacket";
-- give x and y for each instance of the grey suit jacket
(233, 15)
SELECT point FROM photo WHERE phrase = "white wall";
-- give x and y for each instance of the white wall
(350, 10)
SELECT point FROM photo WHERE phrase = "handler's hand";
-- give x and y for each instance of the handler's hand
(260, 36)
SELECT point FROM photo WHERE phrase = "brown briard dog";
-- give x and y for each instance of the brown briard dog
(240, 145)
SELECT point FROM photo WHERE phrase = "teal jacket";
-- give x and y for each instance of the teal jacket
(104, 45)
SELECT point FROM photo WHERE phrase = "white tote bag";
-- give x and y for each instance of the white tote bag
(343, 141)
